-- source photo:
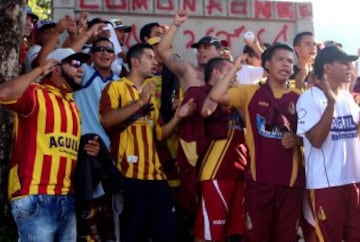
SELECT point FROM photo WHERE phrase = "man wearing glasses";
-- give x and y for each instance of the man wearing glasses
(95, 78)
(45, 147)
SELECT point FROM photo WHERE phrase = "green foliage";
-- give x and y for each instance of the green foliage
(41, 8)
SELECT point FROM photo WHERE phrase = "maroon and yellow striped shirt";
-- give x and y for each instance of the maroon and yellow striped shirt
(45, 146)
(270, 162)
(133, 148)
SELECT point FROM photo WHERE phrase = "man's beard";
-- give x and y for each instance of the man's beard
(71, 81)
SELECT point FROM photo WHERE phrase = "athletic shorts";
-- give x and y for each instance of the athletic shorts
(221, 211)
(272, 212)
(337, 212)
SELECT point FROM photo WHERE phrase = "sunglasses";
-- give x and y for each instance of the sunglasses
(103, 48)
(73, 63)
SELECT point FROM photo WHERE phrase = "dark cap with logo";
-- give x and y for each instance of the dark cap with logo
(329, 55)
(207, 40)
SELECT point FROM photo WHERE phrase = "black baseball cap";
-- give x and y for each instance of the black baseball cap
(207, 40)
(329, 55)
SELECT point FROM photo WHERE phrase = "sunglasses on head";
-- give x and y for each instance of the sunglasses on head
(103, 48)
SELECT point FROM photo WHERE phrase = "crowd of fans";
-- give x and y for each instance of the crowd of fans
(140, 145)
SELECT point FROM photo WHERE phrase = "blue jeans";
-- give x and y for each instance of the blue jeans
(45, 218)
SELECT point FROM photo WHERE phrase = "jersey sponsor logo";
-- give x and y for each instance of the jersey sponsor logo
(343, 124)
(266, 130)
(65, 144)
(343, 128)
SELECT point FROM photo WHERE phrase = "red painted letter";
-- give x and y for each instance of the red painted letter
(282, 33)
(136, 4)
(213, 4)
(305, 10)
(192, 38)
(263, 8)
(120, 6)
(285, 10)
(83, 5)
(169, 6)
(189, 4)
(238, 7)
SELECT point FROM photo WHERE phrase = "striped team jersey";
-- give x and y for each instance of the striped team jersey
(270, 162)
(227, 146)
(134, 147)
(46, 139)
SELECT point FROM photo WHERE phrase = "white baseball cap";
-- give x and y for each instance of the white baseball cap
(66, 55)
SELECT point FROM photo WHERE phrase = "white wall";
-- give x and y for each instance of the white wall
(227, 19)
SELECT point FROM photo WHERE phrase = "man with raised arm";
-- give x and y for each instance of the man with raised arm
(275, 177)
(207, 48)
(45, 147)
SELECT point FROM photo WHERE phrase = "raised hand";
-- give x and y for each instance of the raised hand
(82, 21)
(71, 26)
(96, 29)
(324, 85)
(48, 66)
(65, 23)
(180, 17)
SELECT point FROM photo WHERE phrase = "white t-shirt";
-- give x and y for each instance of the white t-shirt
(337, 162)
(30, 56)
(248, 75)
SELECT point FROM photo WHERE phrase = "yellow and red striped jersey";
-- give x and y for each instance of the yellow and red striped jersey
(134, 147)
(46, 140)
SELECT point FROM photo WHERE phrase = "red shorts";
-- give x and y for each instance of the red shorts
(221, 210)
(272, 212)
(337, 213)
